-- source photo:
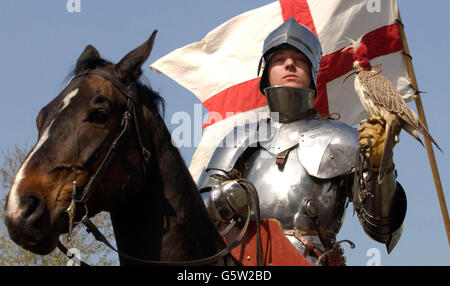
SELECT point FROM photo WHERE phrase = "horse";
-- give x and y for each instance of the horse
(156, 210)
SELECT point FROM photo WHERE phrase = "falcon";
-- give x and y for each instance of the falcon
(382, 101)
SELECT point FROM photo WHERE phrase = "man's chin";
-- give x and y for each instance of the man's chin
(293, 83)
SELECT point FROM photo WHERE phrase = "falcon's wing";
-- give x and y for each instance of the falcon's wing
(384, 94)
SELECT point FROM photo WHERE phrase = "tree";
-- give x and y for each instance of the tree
(90, 250)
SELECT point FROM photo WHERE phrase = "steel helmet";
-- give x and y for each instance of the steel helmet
(291, 34)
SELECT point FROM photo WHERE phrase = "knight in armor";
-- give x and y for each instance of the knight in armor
(304, 168)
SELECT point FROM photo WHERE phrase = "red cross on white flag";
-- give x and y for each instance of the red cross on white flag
(221, 69)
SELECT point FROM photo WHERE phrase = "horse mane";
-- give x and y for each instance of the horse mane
(157, 101)
(143, 84)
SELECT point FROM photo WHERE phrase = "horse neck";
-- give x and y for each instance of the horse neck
(168, 220)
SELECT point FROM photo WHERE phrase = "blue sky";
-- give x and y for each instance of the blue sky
(41, 41)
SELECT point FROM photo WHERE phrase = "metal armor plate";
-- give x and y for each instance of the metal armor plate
(328, 149)
(282, 193)
(305, 175)
(232, 147)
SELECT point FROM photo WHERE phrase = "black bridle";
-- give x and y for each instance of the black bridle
(129, 115)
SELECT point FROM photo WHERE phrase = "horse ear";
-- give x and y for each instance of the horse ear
(87, 59)
(129, 68)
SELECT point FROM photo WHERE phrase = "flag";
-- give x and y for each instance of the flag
(221, 69)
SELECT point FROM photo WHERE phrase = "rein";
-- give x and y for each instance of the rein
(128, 115)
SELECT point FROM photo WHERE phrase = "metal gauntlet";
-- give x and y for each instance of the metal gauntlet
(381, 209)
(227, 200)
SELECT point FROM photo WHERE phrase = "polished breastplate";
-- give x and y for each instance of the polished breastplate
(283, 192)
(315, 158)
(298, 169)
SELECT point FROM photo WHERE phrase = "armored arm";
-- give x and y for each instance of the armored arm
(224, 198)
(381, 207)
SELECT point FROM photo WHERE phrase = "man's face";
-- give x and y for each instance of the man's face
(289, 67)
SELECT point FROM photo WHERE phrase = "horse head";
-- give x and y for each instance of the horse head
(75, 132)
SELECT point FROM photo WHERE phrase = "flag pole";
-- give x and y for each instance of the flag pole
(421, 113)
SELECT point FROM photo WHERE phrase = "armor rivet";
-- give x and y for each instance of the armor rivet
(248, 258)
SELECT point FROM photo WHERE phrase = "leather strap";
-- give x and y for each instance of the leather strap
(250, 188)
(92, 228)
(64, 250)
(118, 84)
(87, 192)
(330, 257)
(281, 158)
(308, 245)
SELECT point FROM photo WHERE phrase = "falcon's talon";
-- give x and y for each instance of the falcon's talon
(377, 119)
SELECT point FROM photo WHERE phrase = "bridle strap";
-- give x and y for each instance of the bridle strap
(117, 83)
(132, 100)
(88, 190)
(197, 262)
(64, 250)
(92, 228)
(131, 104)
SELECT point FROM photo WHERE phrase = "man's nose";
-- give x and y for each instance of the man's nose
(289, 63)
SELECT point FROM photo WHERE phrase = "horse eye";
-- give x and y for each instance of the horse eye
(99, 116)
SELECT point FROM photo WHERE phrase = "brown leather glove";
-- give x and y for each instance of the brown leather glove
(373, 128)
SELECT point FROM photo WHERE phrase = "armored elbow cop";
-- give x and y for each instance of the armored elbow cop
(227, 200)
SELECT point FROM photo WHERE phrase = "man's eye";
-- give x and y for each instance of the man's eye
(300, 60)
(278, 59)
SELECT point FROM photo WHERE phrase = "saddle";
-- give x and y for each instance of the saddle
(277, 250)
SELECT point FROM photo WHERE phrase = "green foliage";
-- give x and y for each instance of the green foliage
(11, 162)
(91, 251)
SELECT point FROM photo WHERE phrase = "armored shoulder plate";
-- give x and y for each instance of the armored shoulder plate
(328, 149)
(233, 146)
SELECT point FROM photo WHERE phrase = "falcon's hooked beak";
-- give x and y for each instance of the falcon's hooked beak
(356, 65)
(356, 69)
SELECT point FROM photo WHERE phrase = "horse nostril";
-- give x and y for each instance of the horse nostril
(32, 205)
